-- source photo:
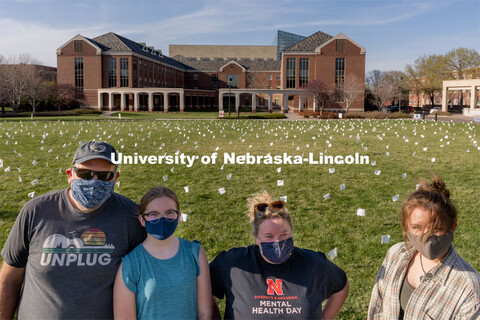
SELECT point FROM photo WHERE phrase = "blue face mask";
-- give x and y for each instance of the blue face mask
(277, 252)
(91, 193)
(161, 229)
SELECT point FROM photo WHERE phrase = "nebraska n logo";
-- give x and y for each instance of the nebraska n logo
(275, 286)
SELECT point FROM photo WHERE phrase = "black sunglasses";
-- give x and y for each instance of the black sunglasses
(277, 205)
(88, 174)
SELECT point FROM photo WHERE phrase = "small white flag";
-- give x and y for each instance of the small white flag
(229, 176)
(186, 189)
(165, 178)
(184, 217)
(327, 196)
(333, 254)
(283, 198)
(221, 190)
(279, 170)
(377, 172)
(20, 179)
(331, 170)
(35, 182)
(361, 212)
(433, 159)
(404, 175)
(31, 194)
(395, 197)
(280, 183)
(342, 186)
(34, 162)
(385, 239)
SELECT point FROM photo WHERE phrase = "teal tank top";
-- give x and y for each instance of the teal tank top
(164, 288)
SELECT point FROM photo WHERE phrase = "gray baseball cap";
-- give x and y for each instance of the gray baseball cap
(94, 150)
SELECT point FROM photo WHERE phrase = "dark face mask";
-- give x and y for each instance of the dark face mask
(434, 247)
(162, 229)
(277, 252)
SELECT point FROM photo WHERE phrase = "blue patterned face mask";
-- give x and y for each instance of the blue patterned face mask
(91, 193)
(277, 252)
(161, 229)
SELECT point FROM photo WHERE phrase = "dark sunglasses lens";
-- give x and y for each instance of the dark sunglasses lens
(84, 174)
(262, 207)
(104, 175)
(277, 204)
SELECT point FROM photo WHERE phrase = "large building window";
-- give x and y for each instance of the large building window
(303, 71)
(233, 79)
(339, 70)
(112, 72)
(124, 72)
(79, 73)
(214, 81)
(290, 72)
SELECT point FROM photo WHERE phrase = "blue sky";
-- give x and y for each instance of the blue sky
(394, 33)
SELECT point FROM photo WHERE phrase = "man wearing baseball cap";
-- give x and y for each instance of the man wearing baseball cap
(65, 246)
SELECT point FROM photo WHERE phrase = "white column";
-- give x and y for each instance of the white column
(165, 102)
(150, 102)
(237, 101)
(315, 105)
(182, 99)
(300, 103)
(254, 102)
(220, 101)
(270, 103)
(473, 96)
(285, 103)
(122, 101)
(444, 98)
(100, 100)
(136, 101)
(110, 101)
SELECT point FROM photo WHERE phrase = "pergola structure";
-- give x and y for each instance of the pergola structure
(470, 84)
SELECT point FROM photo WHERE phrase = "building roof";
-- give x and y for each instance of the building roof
(310, 43)
(114, 43)
(215, 65)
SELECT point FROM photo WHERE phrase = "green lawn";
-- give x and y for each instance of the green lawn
(219, 222)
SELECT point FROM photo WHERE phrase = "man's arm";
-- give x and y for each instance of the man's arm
(11, 280)
(335, 303)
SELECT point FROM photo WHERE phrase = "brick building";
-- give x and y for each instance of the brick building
(116, 73)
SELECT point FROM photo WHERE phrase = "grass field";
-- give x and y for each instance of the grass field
(396, 146)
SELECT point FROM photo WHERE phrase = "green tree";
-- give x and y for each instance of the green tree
(427, 74)
(461, 62)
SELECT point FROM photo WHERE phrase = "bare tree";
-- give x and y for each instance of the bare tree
(62, 94)
(18, 73)
(383, 92)
(373, 78)
(319, 91)
(351, 90)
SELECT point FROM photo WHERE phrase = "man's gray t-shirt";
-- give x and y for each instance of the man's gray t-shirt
(70, 257)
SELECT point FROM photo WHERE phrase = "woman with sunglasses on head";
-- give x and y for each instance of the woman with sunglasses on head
(165, 277)
(273, 279)
(424, 277)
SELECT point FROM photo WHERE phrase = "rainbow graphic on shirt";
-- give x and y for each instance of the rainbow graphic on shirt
(87, 250)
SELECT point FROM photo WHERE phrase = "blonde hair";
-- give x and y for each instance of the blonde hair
(154, 193)
(256, 217)
(434, 198)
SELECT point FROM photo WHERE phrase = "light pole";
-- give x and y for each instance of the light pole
(229, 81)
